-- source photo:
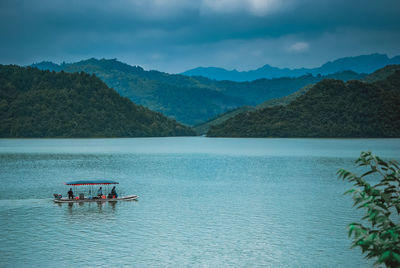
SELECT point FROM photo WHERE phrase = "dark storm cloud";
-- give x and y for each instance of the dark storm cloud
(174, 35)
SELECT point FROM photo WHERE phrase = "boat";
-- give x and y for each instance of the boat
(86, 193)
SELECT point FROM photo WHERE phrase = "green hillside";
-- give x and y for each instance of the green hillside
(203, 128)
(331, 108)
(284, 100)
(190, 100)
(376, 76)
(36, 103)
(381, 74)
(180, 97)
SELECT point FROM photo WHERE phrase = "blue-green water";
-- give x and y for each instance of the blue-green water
(203, 202)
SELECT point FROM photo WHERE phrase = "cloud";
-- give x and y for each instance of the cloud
(298, 47)
(263, 7)
(254, 7)
(173, 35)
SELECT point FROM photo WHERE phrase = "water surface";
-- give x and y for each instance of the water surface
(203, 202)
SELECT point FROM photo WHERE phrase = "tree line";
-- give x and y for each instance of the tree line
(35, 103)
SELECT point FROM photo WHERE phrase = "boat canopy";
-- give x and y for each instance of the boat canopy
(91, 182)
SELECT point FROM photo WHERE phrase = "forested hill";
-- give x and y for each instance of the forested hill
(36, 103)
(180, 97)
(190, 100)
(331, 108)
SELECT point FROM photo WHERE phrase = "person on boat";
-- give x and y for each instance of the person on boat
(70, 194)
(100, 192)
(114, 192)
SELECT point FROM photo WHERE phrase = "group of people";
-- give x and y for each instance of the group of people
(112, 194)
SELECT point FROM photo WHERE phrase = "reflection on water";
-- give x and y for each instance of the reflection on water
(86, 208)
(203, 202)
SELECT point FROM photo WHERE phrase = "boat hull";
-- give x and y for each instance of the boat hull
(122, 198)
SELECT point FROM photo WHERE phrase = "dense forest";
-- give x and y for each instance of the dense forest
(203, 128)
(190, 100)
(381, 74)
(35, 103)
(331, 108)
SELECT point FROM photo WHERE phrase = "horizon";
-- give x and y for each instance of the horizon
(135, 65)
(175, 36)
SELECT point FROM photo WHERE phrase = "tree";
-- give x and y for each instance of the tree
(379, 233)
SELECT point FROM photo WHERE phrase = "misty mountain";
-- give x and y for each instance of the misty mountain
(190, 100)
(359, 64)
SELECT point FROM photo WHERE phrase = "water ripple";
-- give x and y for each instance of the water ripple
(198, 207)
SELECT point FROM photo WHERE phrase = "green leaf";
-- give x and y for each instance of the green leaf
(396, 256)
(384, 256)
(369, 172)
(350, 191)
(370, 237)
(351, 229)
(380, 238)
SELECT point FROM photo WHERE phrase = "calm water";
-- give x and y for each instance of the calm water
(203, 202)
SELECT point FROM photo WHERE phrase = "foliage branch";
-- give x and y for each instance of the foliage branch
(379, 234)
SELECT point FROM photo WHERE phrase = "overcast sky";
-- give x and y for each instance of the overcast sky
(176, 35)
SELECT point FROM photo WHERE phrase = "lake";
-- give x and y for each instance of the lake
(204, 202)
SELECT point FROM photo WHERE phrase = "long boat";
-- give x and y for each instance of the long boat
(87, 195)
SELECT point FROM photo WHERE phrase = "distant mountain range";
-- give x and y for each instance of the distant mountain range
(203, 128)
(190, 100)
(331, 108)
(71, 101)
(36, 103)
(358, 64)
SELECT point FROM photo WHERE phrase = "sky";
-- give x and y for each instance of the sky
(177, 35)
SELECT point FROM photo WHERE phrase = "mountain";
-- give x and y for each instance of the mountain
(331, 108)
(381, 74)
(203, 128)
(36, 103)
(190, 100)
(378, 75)
(284, 100)
(260, 90)
(359, 64)
(183, 98)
